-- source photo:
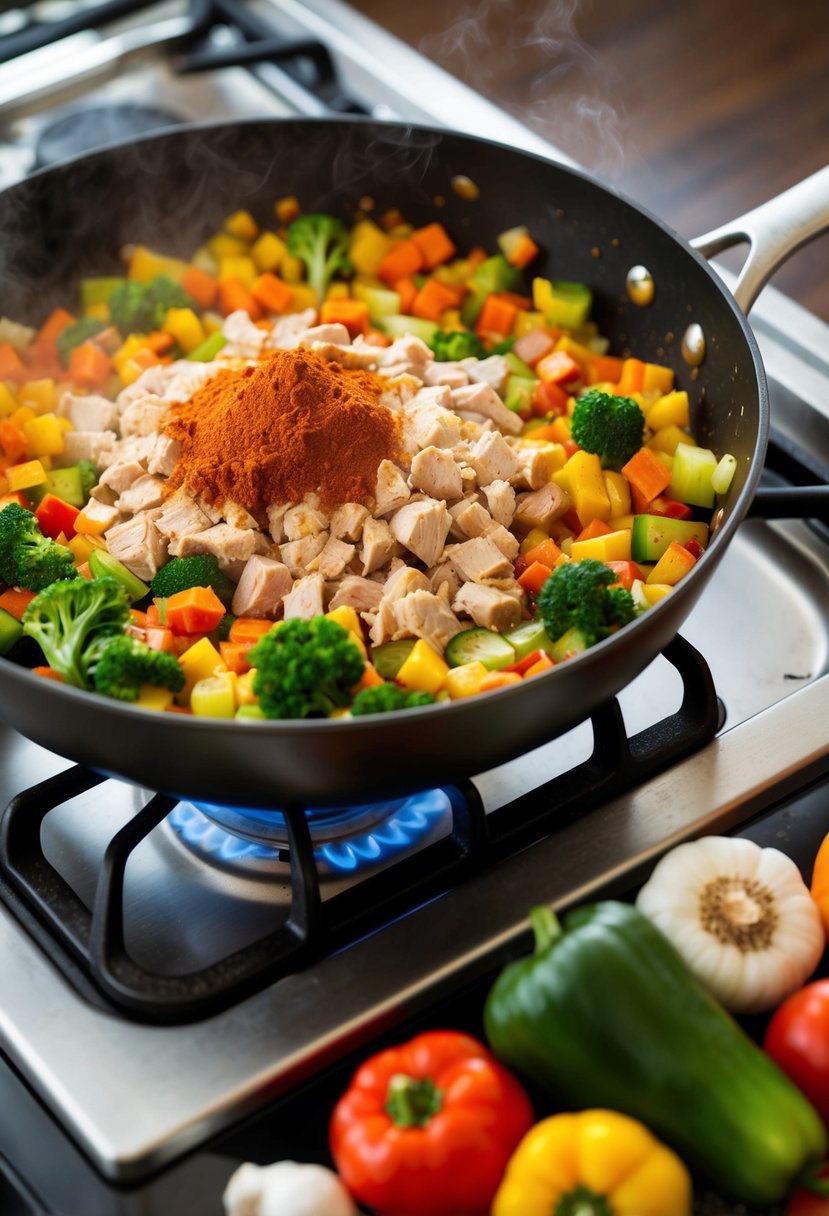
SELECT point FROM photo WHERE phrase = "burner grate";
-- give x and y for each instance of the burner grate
(89, 944)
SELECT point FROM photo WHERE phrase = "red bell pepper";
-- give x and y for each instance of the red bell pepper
(427, 1128)
(56, 516)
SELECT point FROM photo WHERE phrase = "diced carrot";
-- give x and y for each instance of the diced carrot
(287, 208)
(159, 341)
(369, 678)
(626, 572)
(496, 317)
(543, 663)
(604, 369)
(646, 473)
(524, 251)
(406, 288)
(272, 293)
(49, 673)
(158, 637)
(15, 600)
(549, 398)
(234, 656)
(196, 610)
(433, 298)
(596, 527)
(547, 552)
(249, 629)
(13, 440)
(401, 262)
(233, 295)
(632, 377)
(200, 286)
(353, 314)
(476, 256)
(534, 577)
(84, 571)
(54, 325)
(498, 679)
(89, 365)
(512, 297)
(522, 666)
(558, 367)
(375, 338)
(435, 245)
(662, 505)
(12, 366)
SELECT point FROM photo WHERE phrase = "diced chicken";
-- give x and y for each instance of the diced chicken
(422, 528)
(423, 614)
(145, 416)
(236, 515)
(479, 560)
(430, 425)
(136, 447)
(144, 493)
(453, 375)
(408, 353)
(444, 580)
(244, 338)
(302, 520)
(102, 514)
(183, 377)
(333, 558)
(436, 473)
(391, 490)
(103, 493)
(504, 539)
(286, 333)
(493, 459)
(540, 508)
(231, 546)
(262, 585)
(500, 498)
(483, 399)
(362, 594)
(154, 380)
(90, 413)
(137, 543)
(347, 521)
(361, 358)
(472, 519)
(164, 454)
(296, 554)
(120, 475)
(402, 582)
(335, 334)
(488, 606)
(493, 371)
(306, 598)
(276, 521)
(537, 465)
(378, 545)
(85, 445)
(181, 515)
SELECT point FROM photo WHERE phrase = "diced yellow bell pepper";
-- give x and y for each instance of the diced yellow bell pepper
(424, 669)
(199, 661)
(465, 681)
(214, 696)
(244, 689)
(674, 563)
(304, 296)
(658, 377)
(582, 355)
(223, 245)
(24, 476)
(618, 492)
(8, 401)
(450, 319)
(347, 616)
(44, 435)
(145, 264)
(527, 320)
(239, 267)
(99, 310)
(185, 327)
(654, 592)
(150, 696)
(268, 251)
(242, 224)
(586, 486)
(668, 438)
(292, 270)
(22, 415)
(81, 547)
(534, 537)
(39, 394)
(612, 547)
(672, 409)
(617, 522)
(368, 245)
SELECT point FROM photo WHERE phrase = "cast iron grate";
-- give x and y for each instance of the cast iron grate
(88, 944)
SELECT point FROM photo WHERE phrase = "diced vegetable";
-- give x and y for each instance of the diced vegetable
(482, 646)
(651, 534)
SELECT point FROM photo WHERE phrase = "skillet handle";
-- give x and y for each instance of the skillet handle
(773, 231)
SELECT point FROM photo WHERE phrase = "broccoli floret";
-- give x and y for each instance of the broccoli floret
(141, 307)
(321, 242)
(612, 427)
(456, 345)
(387, 697)
(76, 333)
(73, 621)
(126, 663)
(197, 570)
(305, 668)
(88, 471)
(27, 557)
(579, 596)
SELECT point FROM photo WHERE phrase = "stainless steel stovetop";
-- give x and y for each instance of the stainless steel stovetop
(136, 1097)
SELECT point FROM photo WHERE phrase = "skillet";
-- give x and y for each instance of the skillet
(173, 189)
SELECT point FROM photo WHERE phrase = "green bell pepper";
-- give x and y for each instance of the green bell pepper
(606, 1014)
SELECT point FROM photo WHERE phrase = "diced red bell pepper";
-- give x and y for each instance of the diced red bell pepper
(55, 516)
(626, 572)
(549, 398)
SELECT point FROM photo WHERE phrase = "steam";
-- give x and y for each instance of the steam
(534, 62)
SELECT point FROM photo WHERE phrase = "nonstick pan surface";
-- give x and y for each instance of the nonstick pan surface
(172, 190)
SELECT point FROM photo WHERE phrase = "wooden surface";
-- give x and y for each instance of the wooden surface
(699, 109)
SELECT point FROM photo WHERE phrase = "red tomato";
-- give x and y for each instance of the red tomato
(797, 1039)
(806, 1203)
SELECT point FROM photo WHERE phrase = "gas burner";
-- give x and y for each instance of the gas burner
(346, 839)
(83, 130)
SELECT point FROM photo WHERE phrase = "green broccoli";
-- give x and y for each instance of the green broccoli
(386, 698)
(321, 242)
(457, 344)
(27, 557)
(73, 621)
(612, 427)
(197, 570)
(125, 664)
(76, 333)
(141, 307)
(579, 596)
(305, 668)
(88, 471)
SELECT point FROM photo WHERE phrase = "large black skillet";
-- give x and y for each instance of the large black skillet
(171, 191)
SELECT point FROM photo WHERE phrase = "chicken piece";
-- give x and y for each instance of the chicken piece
(181, 515)
(236, 515)
(479, 560)
(104, 515)
(500, 498)
(154, 380)
(402, 582)
(504, 539)
(471, 519)
(144, 416)
(430, 425)
(303, 520)
(422, 528)
(136, 447)
(183, 378)
(296, 554)
(444, 580)
(422, 614)
(493, 459)
(287, 332)
(89, 413)
(537, 465)
(483, 399)
(138, 544)
(488, 606)
(332, 560)
(362, 594)
(306, 598)
(347, 521)
(493, 371)
(333, 334)
(391, 490)
(120, 475)
(243, 337)
(378, 545)
(276, 521)
(232, 546)
(144, 493)
(540, 508)
(408, 353)
(453, 375)
(436, 473)
(84, 445)
(262, 585)
(164, 454)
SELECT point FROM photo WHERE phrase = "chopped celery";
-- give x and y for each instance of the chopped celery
(98, 291)
(518, 366)
(208, 349)
(518, 393)
(691, 475)
(382, 301)
(723, 475)
(397, 325)
(527, 637)
(103, 565)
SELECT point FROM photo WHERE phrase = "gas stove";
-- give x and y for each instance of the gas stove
(181, 983)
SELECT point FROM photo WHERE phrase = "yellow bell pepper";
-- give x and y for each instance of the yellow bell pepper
(424, 670)
(268, 251)
(593, 1161)
(8, 401)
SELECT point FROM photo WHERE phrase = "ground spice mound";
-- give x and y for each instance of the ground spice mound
(291, 425)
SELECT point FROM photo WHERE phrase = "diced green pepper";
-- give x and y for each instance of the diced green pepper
(67, 484)
(103, 565)
(518, 393)
(10, 631)
(208, 349)
(397, 325)
(98, 291)
(516, 365)
(527, 637)
(563, 304)
(493, 274)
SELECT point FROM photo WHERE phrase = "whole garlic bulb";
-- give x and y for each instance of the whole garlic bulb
(286, 1188)
(740, 915)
